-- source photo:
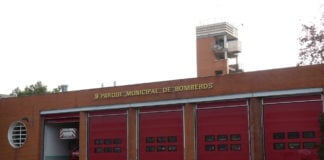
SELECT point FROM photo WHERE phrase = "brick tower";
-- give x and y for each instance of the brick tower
(217, 49)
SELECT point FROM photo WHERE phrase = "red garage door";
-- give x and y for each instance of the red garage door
(161, 133)
(222, 129)
(108, 135)
(62, 118)
(291, 126)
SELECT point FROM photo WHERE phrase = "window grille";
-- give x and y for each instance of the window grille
(17, 134)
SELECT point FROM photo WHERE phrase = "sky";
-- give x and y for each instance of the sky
(93, 43)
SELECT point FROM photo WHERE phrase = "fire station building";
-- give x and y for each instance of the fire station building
(223, 114)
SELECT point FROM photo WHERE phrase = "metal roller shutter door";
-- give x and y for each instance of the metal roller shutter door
(108, 135)
(161, 133)
(291, 126)
(62, 118)
(222, 131)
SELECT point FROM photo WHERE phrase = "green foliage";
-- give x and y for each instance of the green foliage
(34, 89)
(58, 89)
(312, 44)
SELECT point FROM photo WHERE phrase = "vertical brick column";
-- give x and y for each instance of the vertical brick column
(132, 133)
(256, 131)
(323, 100)
(189, 131)
(83, 136)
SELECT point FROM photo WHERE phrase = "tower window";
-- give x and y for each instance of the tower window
(218, 73)
(219, 42)
(220, 56)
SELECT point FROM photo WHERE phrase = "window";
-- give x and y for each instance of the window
(218, 73)
(117, 149)
(309, 145)
(222, 137)
(222, 147)
(161, 148)
(150, 148)
(172, 139)
(278, 135)
(161, 139)
(220, 56)
(235, 137)
(17, 134)
(235, 147)
(294, 145)
(219, 42)
(108, 141)
(308, 134)
(149, 140)
(172, 148)
(98, 150)
(209, 138)
(117, 141)
(293, 135)
(98, 141)
(107, 149)
(209, 147)
(279, 146)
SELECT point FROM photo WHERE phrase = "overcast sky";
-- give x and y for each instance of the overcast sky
(87, 43)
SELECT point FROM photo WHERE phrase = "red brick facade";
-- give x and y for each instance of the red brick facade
(207, 63)
(15, 109)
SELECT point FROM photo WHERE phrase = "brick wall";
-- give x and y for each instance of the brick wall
(14, 109)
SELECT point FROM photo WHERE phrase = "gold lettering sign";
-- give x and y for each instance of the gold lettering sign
(151, 91)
